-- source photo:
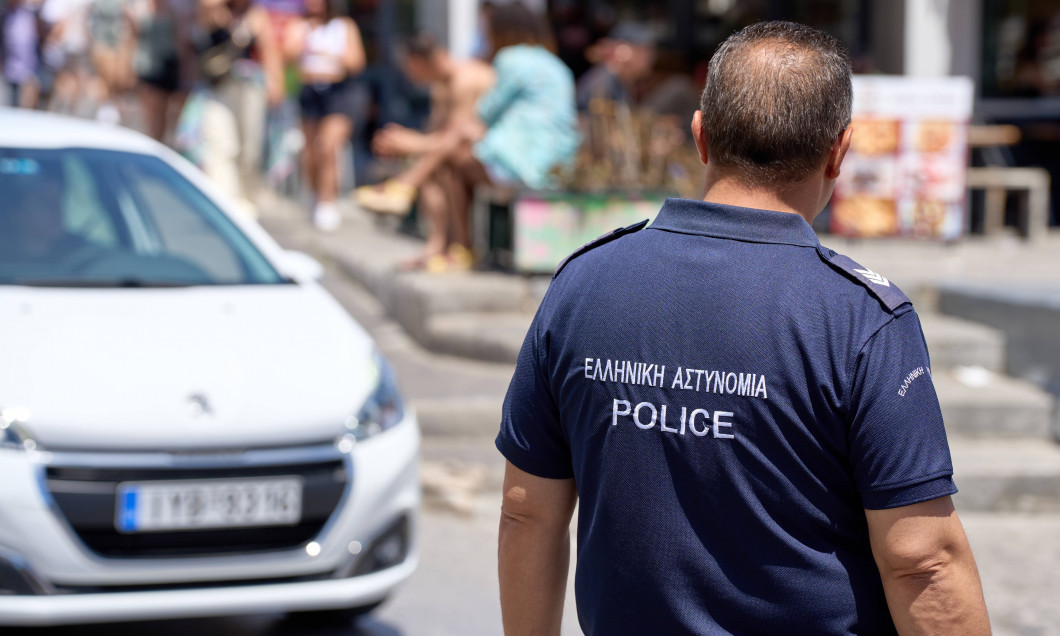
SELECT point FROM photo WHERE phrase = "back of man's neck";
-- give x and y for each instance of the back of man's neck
(797, 199)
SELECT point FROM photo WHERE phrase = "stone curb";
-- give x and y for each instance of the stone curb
(424, 305)
(996, 475)
(1028, 317)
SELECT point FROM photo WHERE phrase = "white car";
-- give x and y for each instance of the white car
(189, 424)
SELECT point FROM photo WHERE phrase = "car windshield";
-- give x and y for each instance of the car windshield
(98, 218)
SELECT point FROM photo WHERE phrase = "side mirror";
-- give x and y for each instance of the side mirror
(301, 266)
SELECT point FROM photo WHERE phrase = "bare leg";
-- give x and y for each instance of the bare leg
(334, 131)
(153, 103)
(174, 105)
(469, 173)
(428, 163)
(434, 204)
(310, 129)
(27, 98)
(457, 195)
(64, 92)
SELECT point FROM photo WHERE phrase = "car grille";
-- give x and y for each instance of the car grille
(85, 494)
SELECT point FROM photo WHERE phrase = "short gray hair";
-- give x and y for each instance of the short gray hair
(777, 96)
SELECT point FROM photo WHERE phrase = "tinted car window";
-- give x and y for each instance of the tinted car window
(75, 217)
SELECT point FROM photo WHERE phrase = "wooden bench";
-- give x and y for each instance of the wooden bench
(998, 181)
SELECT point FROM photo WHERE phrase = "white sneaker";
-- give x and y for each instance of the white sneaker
(108, 114)
(326, 217)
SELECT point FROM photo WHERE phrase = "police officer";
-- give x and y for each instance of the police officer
(747, 417)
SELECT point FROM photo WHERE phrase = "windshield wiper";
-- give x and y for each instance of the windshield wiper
(128, 282)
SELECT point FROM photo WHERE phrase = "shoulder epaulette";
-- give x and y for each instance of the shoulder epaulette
(597, 242)
(883, 289)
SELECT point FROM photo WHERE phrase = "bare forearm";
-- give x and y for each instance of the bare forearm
(272, 63)
(533, 562)
(354, 57)
(943, 599)
(437, 141)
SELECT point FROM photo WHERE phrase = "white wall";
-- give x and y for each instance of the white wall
(463, 22)
(941, 37)
(455, 21)
(928, 50)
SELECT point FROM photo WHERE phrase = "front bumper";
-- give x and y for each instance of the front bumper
(69, 583)
(208, 601)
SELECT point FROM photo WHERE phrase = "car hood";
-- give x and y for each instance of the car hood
(186, 368)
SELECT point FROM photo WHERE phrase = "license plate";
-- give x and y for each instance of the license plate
(214, 503)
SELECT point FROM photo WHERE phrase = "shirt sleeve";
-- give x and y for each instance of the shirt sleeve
(531, 436)
(898, 448)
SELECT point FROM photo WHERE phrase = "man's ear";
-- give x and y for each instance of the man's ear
(839, 151)
(700, 136)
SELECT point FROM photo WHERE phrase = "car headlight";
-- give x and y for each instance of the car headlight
(13, 431)
(384, 407)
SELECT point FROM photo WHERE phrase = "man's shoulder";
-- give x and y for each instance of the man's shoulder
(473, 74)
(599, 241)
(876, 285)
(475, 65)
(839, 275)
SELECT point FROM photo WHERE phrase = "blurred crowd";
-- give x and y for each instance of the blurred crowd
(256, 92)
(201, 75)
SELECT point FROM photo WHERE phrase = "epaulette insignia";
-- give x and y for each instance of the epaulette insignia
(883, 289)
(597, 242)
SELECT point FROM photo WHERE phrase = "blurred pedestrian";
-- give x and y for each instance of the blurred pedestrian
(111, 51)
(526, 128)
(456, 86)
(19, 59)
(65, 51)
(328, 50)
(628, 55)
(157, 63)
(241, 61)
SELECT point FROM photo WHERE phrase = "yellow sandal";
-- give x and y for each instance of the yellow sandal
(389, 197)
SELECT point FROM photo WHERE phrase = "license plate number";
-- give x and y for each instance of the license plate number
(214, 503)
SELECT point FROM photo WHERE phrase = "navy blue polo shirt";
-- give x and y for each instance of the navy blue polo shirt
(729, 396)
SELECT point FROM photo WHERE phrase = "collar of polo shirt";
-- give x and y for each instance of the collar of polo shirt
(687, 216)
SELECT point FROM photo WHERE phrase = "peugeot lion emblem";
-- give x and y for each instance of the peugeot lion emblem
(199, 405)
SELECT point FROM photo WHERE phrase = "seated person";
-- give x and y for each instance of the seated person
(526, 128)
(628, 57)
(456, 86)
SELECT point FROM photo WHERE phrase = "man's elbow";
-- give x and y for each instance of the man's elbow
(514, 521)
(922, 562)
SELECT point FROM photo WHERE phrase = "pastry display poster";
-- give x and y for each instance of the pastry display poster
(906, 171)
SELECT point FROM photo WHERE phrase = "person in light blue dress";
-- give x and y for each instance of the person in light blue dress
(526, 133)
(530, 117)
